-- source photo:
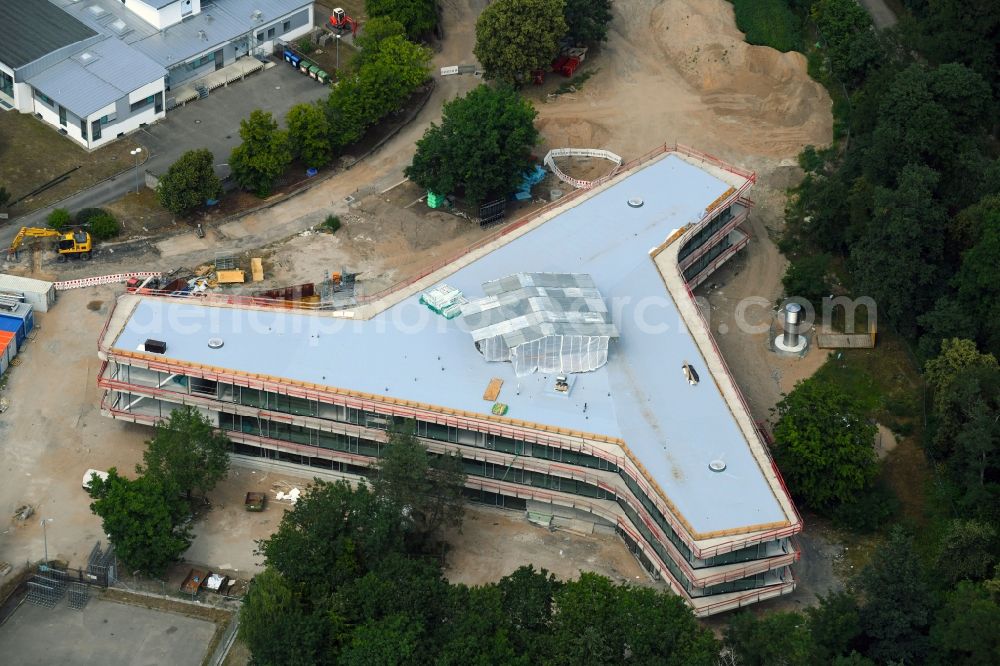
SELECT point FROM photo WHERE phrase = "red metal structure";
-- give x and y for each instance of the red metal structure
(341, 22)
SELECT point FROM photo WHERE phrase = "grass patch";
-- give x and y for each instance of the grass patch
(331, 224)
(769, 23)
(575, 83)
(40, 154)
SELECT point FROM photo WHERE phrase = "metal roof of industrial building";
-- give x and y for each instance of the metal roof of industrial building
(97, 76)
(20, 283)
(34, 28)
(641, 395)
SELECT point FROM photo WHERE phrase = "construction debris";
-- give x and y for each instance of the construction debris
(493, 389)
(257, 269)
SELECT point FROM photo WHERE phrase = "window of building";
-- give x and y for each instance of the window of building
(141, 103)
(95, 129)
(62, 116)
(83, 129)
(6, 84)
(286, 26)
(260, 36)
(44, 98)
(270, 33)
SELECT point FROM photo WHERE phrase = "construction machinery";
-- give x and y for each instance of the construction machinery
(75, 244)
(341, 22)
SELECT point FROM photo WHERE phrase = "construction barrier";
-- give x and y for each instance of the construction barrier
(581, 152)
(117, 278)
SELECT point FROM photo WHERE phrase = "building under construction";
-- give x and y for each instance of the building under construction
(565, 361)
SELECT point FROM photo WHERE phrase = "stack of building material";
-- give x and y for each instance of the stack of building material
(444, 300)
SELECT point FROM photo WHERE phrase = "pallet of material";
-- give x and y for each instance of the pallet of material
(257, 269)
(493, 389)
(230, 277)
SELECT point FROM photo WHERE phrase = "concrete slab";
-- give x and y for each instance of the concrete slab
(105, 633)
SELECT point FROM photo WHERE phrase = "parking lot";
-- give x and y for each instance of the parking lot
(105, 633)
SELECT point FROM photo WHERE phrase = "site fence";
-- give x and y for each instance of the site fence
(117, 278)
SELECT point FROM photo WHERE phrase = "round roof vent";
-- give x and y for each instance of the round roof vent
(717, 465)
(635, 202)
(215, 343)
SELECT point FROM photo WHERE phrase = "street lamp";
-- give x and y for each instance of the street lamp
(45, 538)
(338, 55)
(136, 154)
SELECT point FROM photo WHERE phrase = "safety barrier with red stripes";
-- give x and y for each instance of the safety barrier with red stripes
(117, 278)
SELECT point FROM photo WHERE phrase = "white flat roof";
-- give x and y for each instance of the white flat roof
(409, 353)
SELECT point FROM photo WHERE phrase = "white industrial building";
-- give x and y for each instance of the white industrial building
(40, 294)
(99, 69)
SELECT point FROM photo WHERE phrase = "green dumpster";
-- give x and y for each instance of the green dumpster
(314, 72)
(322, 77)
(434, 200)
(304, 66)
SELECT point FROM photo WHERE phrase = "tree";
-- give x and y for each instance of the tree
(483, 145)
(897, 608)
(898, 261)
(587, 21)
(375, 31)
(189, 182)
(514, 37)
(964, 630)
(142, 518)
(186, 452)
(336, 531)
(263, 156)
(967, 551)
(956, 355)
(419, 17)
(779, 638)
(976, 283)
(835, 626)
(59, 219)
(824, 444)
(806, 278)
(428, 487)
(852, 42)
(273, 611)
(309, 134)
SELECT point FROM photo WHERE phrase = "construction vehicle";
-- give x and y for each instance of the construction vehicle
(75, 244)
(341, 22)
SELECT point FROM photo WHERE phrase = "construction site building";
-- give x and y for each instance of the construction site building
(626, 438)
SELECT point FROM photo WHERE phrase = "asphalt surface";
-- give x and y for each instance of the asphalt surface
(882, 16)
(212, 123)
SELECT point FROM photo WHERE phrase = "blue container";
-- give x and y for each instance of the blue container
(294, 60)
(15, 326)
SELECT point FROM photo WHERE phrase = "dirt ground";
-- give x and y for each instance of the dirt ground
(494, 542)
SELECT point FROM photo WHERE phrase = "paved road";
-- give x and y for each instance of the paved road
(211, 123)
(882, 16)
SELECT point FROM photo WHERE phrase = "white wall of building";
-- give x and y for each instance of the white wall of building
(165, 16)
(147, 90)
(50, 114)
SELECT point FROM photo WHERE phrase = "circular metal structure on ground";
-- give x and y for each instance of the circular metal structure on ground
(635, 202)
(717, 465)
(215, 343)
(781, 345)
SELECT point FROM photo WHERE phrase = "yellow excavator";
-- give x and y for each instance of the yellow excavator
(75, 244)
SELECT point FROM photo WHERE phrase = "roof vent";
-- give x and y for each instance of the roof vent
(717, 465)
(635, 202)
(690, 374)
(215, 343)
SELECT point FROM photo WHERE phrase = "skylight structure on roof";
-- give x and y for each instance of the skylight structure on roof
(548, 322)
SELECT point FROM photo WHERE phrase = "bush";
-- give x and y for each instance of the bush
(806, 278)
(104, 226)
(189, 182)
(85, 215)
(331, 223)
(306, 46)
(59, 219)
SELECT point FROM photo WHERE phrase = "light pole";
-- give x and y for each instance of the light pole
(136, 154)
(45, 538)
(338, 56)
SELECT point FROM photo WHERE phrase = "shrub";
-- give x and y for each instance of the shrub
(85, 215)
(189, 182)
(306, 46)
(331, 223)
(104, 226)
(59, 219)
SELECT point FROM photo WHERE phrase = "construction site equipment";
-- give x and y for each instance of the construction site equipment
(18, 319)
(75, 244)
(434, 200)
(254, 501)
(444, 300)
(39, 293)
(340, 22)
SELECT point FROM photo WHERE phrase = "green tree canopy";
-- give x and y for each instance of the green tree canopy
(514, 37)
(263, 156)
(189, 182)
(587, 21)
(956, 355)
(276, 625)
(965, 630)
(834, 627)
(806, 277)
(428, 487)
(824, 444)
(482, 147)
(419, 17)
(897, 605)
(309, 134)
(59, 219)
(186, 452)
(852, 42)
(977, 284)
(142, 518)
(374, 32)
(778, 638)
(968, 550)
